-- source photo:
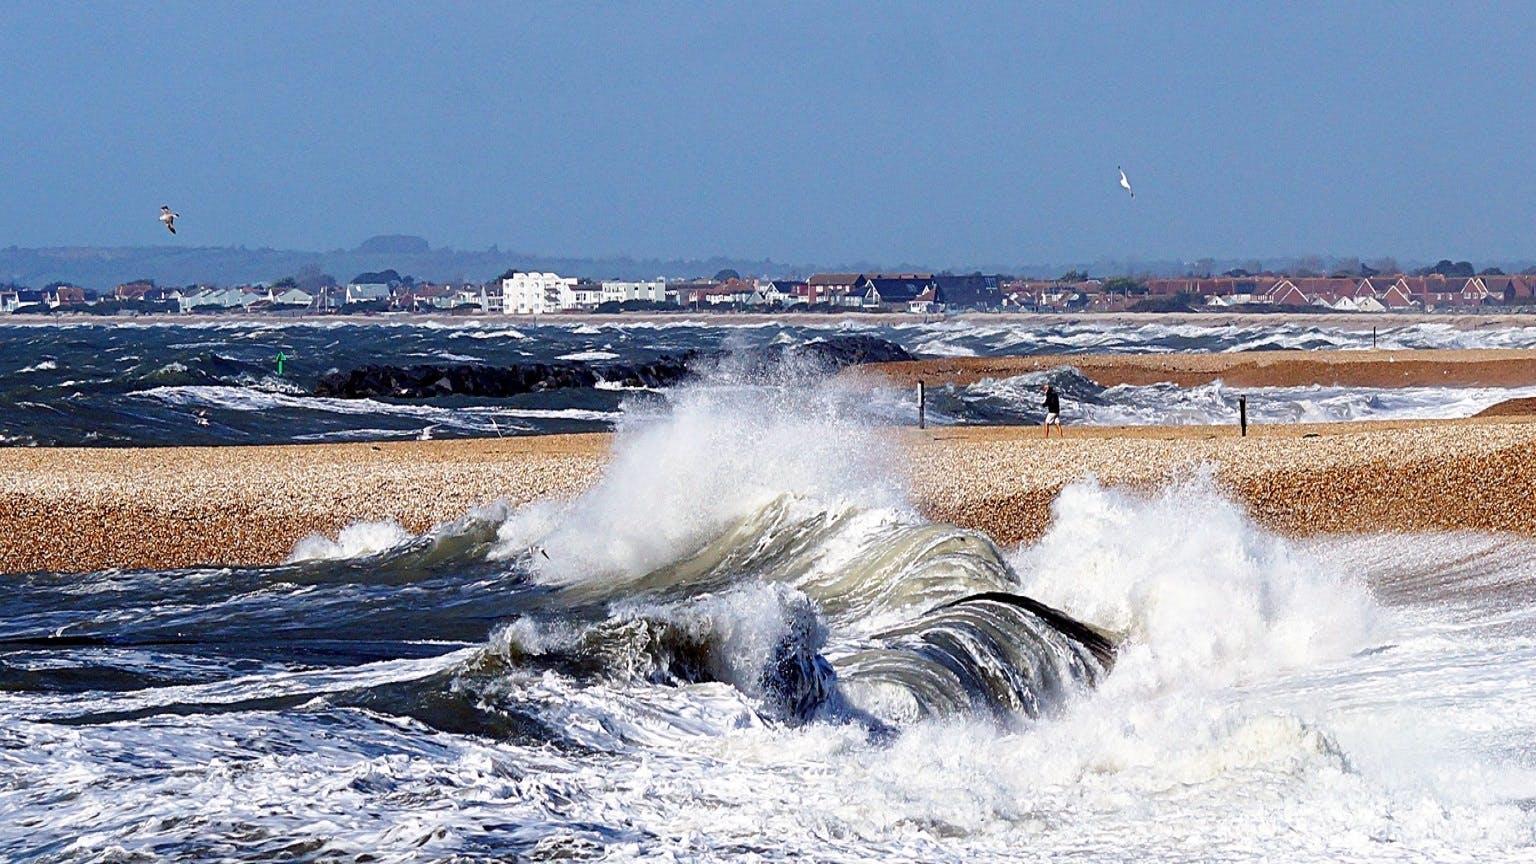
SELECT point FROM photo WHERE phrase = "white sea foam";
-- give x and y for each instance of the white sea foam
(1185, 577)
(676, 481)
(589, 355)
(499, 333)
(247, 399)
(1216, 403)
(354, 541)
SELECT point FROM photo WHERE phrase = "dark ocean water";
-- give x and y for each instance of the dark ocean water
(208, 382)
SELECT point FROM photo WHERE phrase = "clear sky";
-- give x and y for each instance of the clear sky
(943, 133)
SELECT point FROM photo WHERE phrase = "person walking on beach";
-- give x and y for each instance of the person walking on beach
(1052, 405)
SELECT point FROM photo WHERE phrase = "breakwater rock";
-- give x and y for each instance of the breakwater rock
(838, 352)
(427, 381)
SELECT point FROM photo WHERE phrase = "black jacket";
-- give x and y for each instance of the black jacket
(1052, 402)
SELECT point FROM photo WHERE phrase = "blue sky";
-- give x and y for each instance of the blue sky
(941, 133)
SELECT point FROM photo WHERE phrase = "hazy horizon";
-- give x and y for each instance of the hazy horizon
(952, 137)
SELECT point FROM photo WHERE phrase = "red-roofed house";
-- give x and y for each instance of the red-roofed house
(1285, 293)
(839, 289)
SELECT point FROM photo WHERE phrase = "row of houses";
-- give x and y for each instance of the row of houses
(887, 292)
(543, 293)
(15, 299)
(540, 293)
(251, 298)
(1379, 293)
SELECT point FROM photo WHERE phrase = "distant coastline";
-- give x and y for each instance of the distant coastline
(1459, 318)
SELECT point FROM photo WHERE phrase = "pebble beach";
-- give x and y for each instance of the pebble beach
(80, 510)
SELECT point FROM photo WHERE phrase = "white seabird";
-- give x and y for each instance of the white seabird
(1124, 183)
(168, 218)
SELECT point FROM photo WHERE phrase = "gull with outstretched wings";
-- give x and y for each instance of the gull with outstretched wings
(1124, 183)
(168, 218)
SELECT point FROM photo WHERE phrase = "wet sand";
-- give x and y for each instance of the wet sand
(74, 510)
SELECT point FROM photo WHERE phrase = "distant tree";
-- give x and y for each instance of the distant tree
(286, 282)
(1367, 270)
(1073, 276)
(726, 275)
(383, 277)
(511, 271)
(1346, 267)
(395, 244)
(1309, 267)
(311, 278)
(1123, 285)
(1492, 271)
(1237, 273)
(1387, 265)
(1445, 267)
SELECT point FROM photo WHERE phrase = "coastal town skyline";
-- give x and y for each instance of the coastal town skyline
(1446, 286)
(886, 134)
(101, 268)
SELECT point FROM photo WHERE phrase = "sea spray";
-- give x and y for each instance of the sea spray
(723, 451)
(1186, 577)
(355, 540)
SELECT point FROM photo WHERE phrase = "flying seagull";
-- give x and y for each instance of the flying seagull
(1124, 183)
(168, 218)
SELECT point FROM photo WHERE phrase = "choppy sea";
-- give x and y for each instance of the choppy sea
(744, 643)
(219, 382)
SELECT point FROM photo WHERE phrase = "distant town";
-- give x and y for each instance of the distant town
(1447, 286)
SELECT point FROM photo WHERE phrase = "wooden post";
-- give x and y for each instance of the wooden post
(922, 406)
(1242, 414)
(1373, 337)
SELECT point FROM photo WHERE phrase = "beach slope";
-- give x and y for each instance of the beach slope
(75, 510)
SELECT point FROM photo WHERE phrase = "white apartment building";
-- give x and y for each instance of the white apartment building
(654, 291)
(537, 293)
